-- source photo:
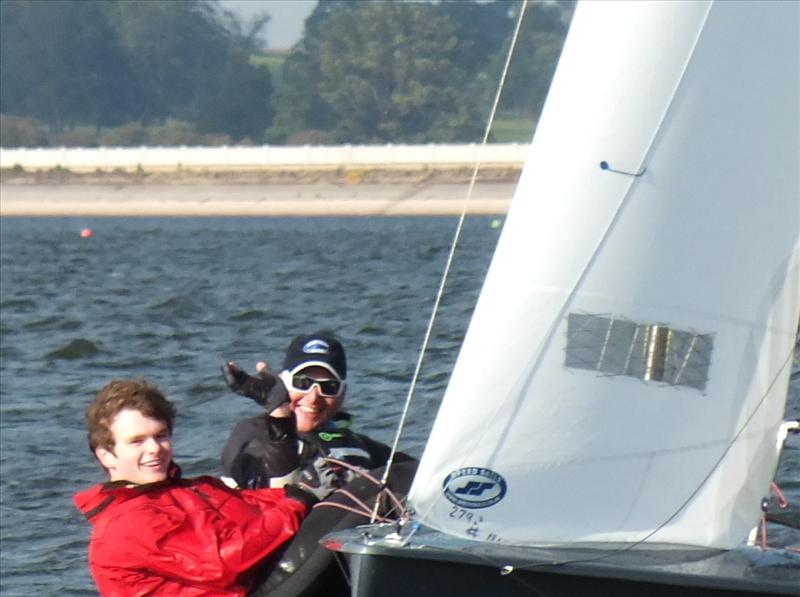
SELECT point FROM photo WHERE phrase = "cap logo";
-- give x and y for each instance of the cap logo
(316, 347)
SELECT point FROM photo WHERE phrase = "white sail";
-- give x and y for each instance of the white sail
(625, 372)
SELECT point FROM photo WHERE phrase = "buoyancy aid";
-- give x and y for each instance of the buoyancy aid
(265, 451)
(337, 440)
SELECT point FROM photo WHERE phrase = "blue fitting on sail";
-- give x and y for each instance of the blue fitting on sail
(605, 166)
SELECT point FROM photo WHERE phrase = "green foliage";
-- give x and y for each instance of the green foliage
(311, 137)
(241, 106)
(174, 132)
(130, 134)
(28, 132)
(273, 62)
(414, 71)
(60, 62)
(379, 71)
(18, 131)
(129, 72)
(512, 130)
(543, 31)
(71, 62)
(174, 48)
(79, 136)
(298, 104)
(388, 78)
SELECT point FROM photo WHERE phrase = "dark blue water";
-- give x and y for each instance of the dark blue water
(170, 300)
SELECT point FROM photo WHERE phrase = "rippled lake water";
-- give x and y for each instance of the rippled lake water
(170, 300)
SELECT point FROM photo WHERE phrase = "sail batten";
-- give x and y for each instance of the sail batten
(624, 374)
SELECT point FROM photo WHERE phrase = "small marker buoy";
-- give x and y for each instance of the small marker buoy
(496, 224)
(86, 233)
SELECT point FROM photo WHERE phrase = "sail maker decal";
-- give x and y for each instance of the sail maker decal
(474, 487)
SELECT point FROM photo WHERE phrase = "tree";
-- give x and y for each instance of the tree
(177, 52)
(241, 105)
(16, 131)
(544, 29)
(60, 62)
(364, 72)
(377, 72)
(300, 111)
(192, 62)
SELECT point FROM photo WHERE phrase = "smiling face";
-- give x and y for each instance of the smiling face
(311, 409)
(142, 449)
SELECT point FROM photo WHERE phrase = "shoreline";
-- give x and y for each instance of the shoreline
(256, 193)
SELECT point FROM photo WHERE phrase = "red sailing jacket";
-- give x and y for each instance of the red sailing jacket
(187, 537)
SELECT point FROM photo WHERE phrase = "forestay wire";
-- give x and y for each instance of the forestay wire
(448, 265)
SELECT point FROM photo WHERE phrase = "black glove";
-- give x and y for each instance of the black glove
(267, 390)
(301, 495)
(320, 478)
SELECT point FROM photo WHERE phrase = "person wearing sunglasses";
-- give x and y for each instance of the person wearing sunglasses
(303, 421)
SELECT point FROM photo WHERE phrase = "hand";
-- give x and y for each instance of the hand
(234, 376)
(320, 478)
(283, 411)
(266, 389)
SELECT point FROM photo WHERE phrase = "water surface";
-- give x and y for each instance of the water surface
(170, 300)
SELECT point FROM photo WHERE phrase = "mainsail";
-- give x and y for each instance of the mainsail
(625, 371)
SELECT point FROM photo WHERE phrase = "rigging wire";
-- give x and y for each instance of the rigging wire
(453, 245)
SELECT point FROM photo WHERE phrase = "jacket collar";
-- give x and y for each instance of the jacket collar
(94, 500)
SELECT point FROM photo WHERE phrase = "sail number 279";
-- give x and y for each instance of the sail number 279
(461, 514)
(472, 520)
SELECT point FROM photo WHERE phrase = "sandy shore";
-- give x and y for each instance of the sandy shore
(255, 193)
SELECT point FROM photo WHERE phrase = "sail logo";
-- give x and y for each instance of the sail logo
(474, 487)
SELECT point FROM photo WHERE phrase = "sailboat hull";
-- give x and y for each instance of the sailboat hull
(432, 564)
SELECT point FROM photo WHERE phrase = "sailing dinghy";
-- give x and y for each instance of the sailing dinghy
(612, 422)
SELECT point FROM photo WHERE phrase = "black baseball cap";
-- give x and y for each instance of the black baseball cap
(320, 349)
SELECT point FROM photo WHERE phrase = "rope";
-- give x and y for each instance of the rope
(382, 487)
(448, 265)
(783, 503)
(360, 507)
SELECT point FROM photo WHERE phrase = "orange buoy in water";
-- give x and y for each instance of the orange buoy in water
(86, 233)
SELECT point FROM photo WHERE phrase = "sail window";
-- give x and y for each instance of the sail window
(646, 351)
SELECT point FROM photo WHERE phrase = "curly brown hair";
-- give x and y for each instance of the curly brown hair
(119, 395)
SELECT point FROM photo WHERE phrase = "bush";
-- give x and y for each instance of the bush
(311, 137)
(75, 138)
(218, 139)
(21, 131)
(174, 132)
(131, 134)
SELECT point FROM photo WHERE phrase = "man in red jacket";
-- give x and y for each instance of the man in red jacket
(156, 533)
